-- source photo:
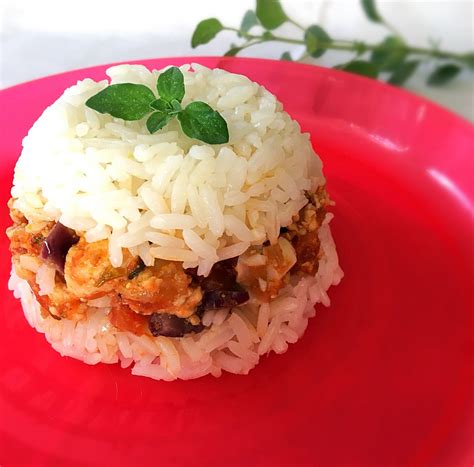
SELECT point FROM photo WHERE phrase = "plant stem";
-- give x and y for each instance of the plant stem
(249, 44)
(298, 25)
(238, 31)
(391, 28)
(436, 53)
(350, 46)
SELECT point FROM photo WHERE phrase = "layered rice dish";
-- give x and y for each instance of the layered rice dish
(165, 254)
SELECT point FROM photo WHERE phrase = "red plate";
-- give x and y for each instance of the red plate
(382, 378)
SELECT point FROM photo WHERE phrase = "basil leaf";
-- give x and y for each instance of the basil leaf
(198, 120)
(157, 120)
(161, 104)
(314, 36)
(286, 56)
(360, 67)
(248, 21)
(403, 72)
(389, 54)
(205, 31)
(127, 101)
(443, 74)
(170, 84)
(270, 13)
(371, 11)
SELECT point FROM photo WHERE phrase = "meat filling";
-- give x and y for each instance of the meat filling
(163, 299)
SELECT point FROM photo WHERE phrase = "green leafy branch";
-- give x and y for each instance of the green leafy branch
(393, 56)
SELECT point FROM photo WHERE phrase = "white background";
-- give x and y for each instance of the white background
(41, 37)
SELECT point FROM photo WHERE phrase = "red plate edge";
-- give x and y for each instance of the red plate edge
(460, 193)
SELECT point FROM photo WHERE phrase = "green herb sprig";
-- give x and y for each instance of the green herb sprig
(392, 58)
(130, 102)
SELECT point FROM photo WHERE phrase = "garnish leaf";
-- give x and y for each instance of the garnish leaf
(126, 100)
(205, 31)
(232, 51)
(286, 56)
(316, 39)
(170, 84)
(443, 74)
(360, 67)
(134, 101)
(389, 54)
(161, 104)
(268, 36)
(157, 120)
(248, 21)
(469, 60)
(403, 72)
(360, 47)
(371, 11)
(198, 120)
(270, 13)
(175, 106)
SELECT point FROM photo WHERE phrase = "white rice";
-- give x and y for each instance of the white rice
(169, 196)
(45, 278)
(234, 342)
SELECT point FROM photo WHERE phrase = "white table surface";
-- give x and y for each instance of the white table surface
(38, 38)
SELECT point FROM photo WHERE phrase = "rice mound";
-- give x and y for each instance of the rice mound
(234, 342)
(165, 195)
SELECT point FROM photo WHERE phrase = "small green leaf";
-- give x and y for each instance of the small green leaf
(443, 74)
(317, 40)
(127, 101)
(232, 51)
(371, 11)
(389, 53)
(360, 47)
(176, 106)
(162, 105)
(403, 72)
(286, 56)
(157, 120)
(248, 21)
(170, 84)
(205, 31)
(469, 60)
(198, 120)
(360, 67)
(270, 13)
(267, 36)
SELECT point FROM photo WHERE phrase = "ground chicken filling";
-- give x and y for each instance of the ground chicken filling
(163, 299)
